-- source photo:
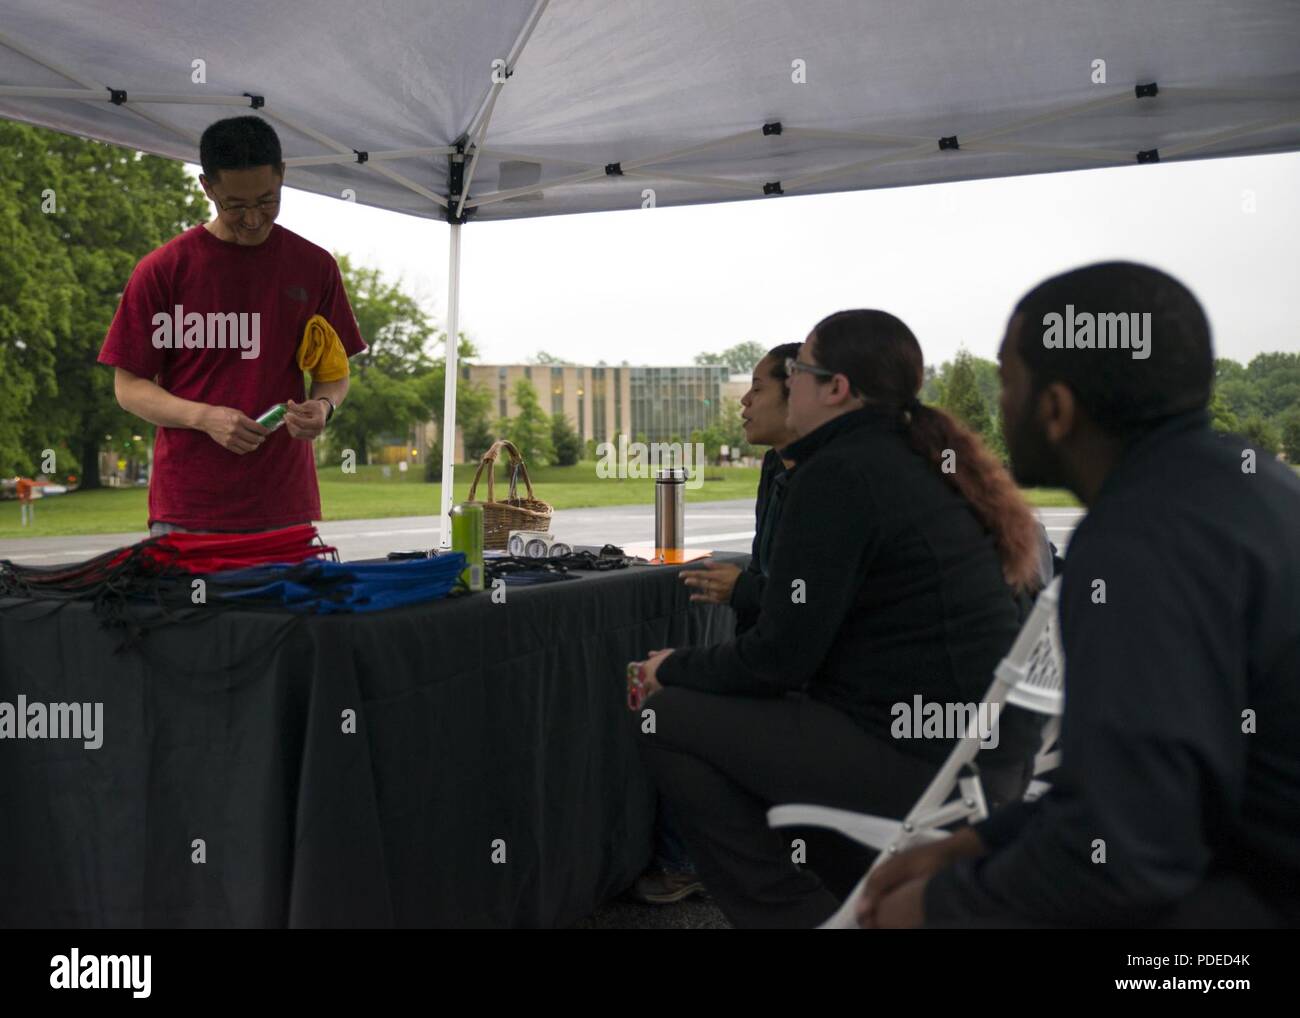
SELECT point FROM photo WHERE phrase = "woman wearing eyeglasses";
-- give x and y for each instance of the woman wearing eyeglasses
(893, 566)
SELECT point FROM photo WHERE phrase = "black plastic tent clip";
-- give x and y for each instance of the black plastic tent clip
(117, 96)
(950, 142)
(255, 102)
(1149, 155)
(613, 169)
(773, 188)
(1147, 91)
(361, 156)
(773, 128)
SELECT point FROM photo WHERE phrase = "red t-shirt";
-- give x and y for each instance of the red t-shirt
(186, 321)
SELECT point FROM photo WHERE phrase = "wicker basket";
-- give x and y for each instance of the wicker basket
(515, 513)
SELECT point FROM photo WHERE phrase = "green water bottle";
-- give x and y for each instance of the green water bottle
(467, 537)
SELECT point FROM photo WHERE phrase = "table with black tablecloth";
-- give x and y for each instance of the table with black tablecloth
(490, 777)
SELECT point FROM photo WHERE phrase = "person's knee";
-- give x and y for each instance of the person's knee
(655, 720)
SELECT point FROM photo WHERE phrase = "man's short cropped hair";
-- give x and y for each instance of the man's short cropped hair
(238, 143)
(1125, 390)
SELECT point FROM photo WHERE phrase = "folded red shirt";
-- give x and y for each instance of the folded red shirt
(207, 553)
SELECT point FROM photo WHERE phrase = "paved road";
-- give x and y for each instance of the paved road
(720, 526)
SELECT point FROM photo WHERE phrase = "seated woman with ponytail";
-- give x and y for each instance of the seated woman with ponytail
(897, 558)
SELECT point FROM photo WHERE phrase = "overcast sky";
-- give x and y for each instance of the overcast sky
(657, 286)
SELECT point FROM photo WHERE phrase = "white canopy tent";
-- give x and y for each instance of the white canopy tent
(470, 110)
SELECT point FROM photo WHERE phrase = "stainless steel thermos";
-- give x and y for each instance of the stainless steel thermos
(670, 513)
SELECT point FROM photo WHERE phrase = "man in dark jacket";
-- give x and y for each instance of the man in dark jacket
(882, 584)
(1178, 799)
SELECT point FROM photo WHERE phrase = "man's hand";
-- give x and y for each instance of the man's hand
(895, 891)
(711, 581)
(901, 909)
(305, 420)
(233, 430)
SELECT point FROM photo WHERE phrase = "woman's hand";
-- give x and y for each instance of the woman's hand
(649, 673)
(711, 582)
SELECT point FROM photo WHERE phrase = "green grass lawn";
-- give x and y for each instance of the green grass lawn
(367, 494)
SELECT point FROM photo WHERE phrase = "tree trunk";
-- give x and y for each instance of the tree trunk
(89, 464)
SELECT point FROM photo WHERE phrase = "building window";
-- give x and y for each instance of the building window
(618, 400)
(501, 391)
(673, 401)
(557, 390)
(598, 429)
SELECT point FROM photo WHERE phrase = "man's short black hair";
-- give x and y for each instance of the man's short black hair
(1123, 395)
(238, 143)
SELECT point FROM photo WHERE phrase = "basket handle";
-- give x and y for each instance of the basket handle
(489, 460)
(517, 467)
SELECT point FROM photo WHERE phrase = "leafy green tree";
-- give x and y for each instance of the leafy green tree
(473, 402)
(542, 357)
(565, 440)
(931, 388)
(399, 334)
(76, 216)
(378, 405)
(739, 359)
(962, 397)
(728, 430)
(1291, 436)
(969, 388)
(390, 387)
(478, 435)
(1241, 397)
(36, 286)
(530, 428)
(1257, 400)
(1260, 433)
(1275, 378)
(1221, 416)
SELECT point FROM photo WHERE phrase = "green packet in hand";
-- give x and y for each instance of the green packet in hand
(274, 417)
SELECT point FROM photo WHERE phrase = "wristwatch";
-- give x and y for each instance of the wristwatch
(330, 412)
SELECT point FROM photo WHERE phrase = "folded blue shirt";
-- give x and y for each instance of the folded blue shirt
(332, 587)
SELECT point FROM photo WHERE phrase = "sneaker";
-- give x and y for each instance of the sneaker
(665, 888)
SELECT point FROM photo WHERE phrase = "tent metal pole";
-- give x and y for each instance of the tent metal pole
(448, 431)
(10, 42)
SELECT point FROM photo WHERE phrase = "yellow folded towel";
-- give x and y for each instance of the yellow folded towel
(321, 351)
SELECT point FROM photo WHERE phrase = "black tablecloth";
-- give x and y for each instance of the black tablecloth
(478, 725)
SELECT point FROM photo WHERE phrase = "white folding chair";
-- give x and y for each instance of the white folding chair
(1032, 676)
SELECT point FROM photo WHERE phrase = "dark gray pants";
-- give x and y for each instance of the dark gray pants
(722, 761)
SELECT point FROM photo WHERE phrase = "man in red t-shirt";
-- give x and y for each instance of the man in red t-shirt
(206, 337)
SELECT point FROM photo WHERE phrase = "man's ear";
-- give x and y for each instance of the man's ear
(1058, 412)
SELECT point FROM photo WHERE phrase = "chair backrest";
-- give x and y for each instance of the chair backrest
(1034, 669)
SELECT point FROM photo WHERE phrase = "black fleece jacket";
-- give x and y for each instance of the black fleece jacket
(882, 585)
